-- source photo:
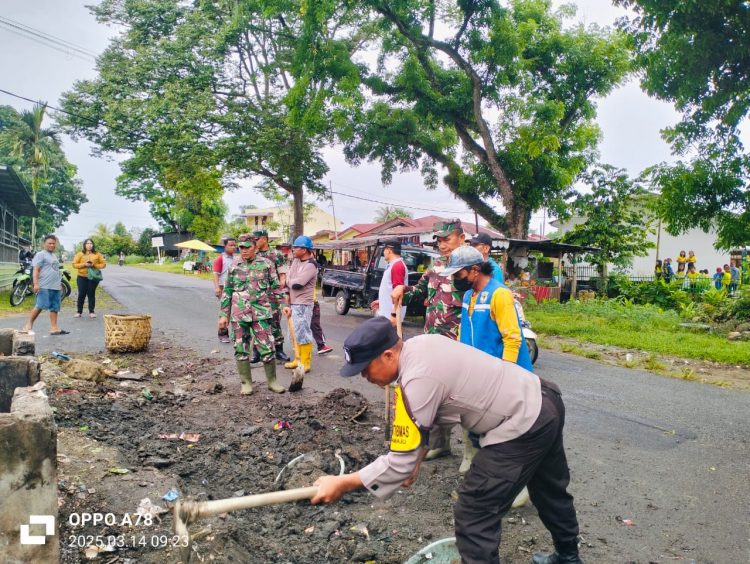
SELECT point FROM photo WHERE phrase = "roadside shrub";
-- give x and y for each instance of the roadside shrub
(135, 259)
(740, 308)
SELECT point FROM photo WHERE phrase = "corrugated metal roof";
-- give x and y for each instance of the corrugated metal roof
(14, 193)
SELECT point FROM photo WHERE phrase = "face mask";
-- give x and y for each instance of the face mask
(462, 284)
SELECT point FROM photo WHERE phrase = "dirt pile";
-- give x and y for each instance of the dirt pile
(112, 457)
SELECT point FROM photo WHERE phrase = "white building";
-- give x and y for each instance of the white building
(669, 246)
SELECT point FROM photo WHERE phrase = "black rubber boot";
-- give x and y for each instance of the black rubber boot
(256, 357)
(281, 355)
(564, 554)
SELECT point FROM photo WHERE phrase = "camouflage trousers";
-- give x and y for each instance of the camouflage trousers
(278, 336)
(249, 334)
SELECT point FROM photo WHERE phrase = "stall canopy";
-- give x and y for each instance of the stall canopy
(195, 245)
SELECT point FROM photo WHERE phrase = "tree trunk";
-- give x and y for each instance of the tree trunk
(518, 219)
(603, 280)
(299, 219)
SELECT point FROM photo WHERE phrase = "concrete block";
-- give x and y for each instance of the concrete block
(6, 341)
(28, 477)
(17, 344)
(23, 345)
(16, 372)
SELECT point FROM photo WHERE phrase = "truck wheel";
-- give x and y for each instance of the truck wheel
(342, 302)
(533, 349)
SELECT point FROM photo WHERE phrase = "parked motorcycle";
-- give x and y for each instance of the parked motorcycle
(23, 284)
(65, 284)
(528, 334)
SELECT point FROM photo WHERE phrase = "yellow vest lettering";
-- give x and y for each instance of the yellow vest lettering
(406, 435)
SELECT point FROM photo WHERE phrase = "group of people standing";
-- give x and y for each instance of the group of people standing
(255, 289)
(47, 278)
(471, 367)
(727, 277)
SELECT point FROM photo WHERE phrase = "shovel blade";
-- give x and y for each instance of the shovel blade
(297, 378)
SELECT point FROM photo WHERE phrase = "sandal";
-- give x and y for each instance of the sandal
(60, 332)
(77, 315)
(92, 315)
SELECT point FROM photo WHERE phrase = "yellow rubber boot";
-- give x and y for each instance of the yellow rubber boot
(305, 353)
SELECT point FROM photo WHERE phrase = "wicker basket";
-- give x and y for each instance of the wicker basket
(126, 333)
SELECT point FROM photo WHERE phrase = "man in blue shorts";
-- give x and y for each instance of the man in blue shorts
(46, 277)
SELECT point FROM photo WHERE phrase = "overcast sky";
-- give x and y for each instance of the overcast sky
(630, 122)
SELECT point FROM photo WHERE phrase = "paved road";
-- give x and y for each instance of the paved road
(671, 455)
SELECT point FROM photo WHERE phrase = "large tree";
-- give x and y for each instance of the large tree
(617, 219)
(499, 95)
(35, 153)
(194, 94)
(695, 55)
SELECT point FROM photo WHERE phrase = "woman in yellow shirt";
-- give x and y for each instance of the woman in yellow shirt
(691, 258)
(89, 257)
(681, 263)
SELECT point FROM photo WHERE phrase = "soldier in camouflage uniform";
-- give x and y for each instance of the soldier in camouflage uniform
(246, 307)
(279, 295)
(444, 304)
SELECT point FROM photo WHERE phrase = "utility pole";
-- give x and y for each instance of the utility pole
(333, 210)
(476, 222)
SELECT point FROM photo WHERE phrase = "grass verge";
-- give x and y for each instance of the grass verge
(635, 327)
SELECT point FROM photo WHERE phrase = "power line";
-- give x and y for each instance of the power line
(391, 203)
(47, 40)
(404, 203)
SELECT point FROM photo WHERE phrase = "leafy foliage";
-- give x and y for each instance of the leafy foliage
(500, 98)
(58, 192)
(387, 213)
(694, 54)
(616, 221)
(194, 94)
(111, 242)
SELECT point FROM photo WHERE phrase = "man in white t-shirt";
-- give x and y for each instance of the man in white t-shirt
(395, 275)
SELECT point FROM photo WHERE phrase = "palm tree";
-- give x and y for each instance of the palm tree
(387, 213)
(35, 145)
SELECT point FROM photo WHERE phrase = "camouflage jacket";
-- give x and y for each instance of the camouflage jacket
(443, 315)
(282, 267)
(248, 290)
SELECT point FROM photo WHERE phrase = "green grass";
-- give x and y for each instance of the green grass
(173, 268)
(645, 328)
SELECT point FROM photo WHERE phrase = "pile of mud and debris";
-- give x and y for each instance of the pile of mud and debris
(167, 425)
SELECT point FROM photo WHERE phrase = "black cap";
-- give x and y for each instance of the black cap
(366, 343)
(481, 239)
(395, 245)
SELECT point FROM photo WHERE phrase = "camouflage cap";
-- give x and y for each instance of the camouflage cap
(445, 228)
(246, 240)
(258, 233)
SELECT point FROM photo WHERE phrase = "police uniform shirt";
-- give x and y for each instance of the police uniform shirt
(447, 382)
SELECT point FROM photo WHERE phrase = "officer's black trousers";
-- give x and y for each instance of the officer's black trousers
(498, 474)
